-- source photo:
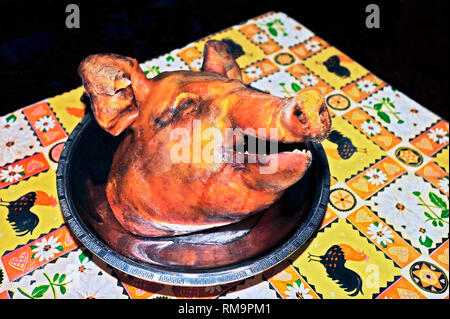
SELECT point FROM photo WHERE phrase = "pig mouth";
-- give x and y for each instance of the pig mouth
(253, 145)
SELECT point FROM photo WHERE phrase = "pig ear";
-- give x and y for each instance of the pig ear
(217, 58)
(108, 79)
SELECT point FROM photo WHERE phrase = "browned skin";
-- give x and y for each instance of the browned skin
(149, 194)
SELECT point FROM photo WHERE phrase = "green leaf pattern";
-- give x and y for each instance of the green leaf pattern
(38, 292)
(276, 28)
(386, 110)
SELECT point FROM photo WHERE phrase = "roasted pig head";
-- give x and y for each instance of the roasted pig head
(183, 165)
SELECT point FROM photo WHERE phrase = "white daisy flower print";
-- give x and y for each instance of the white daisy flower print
(79, 268)
(95, 287)
(366, 86)
(395, 205)
(406, 117)
(309, 79)
(260, 38)
(375, 177)
(13, 144)
(45, 123)
(412, 114)
(297, 291)
(196, 64)
(439, 136)
(423, 235)
(312, 45)
(46, 249)
(380, 233)
(253, 72)
(443, 184)
(371, 128)
(11, 174)
(410, 206)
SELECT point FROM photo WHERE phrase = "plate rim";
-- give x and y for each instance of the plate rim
(198, 277)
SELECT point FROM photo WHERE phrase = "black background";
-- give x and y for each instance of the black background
(39, 56)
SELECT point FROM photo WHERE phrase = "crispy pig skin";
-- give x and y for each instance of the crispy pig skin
(150, 194)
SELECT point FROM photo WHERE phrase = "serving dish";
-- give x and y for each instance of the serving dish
(82, 173)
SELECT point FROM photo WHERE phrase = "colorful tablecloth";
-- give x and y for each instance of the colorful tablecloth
(389, 161)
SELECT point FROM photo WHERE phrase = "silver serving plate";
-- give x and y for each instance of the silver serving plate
(87, 154)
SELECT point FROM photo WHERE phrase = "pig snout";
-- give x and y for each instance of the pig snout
(306, 115)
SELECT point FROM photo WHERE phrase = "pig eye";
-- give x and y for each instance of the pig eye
(297, 113)
(302, 117)
(160, 122)
(186, 99)
(183, 104)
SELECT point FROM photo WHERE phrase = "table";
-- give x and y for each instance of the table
(385, 232)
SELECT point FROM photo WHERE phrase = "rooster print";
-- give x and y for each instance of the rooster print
(334, 262)
(333, 65)
(234, 48)
(22, 220)
(345, 148)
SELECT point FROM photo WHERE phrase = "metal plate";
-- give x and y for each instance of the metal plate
(103, 145)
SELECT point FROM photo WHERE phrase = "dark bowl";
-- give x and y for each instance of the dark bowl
(87, 156)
